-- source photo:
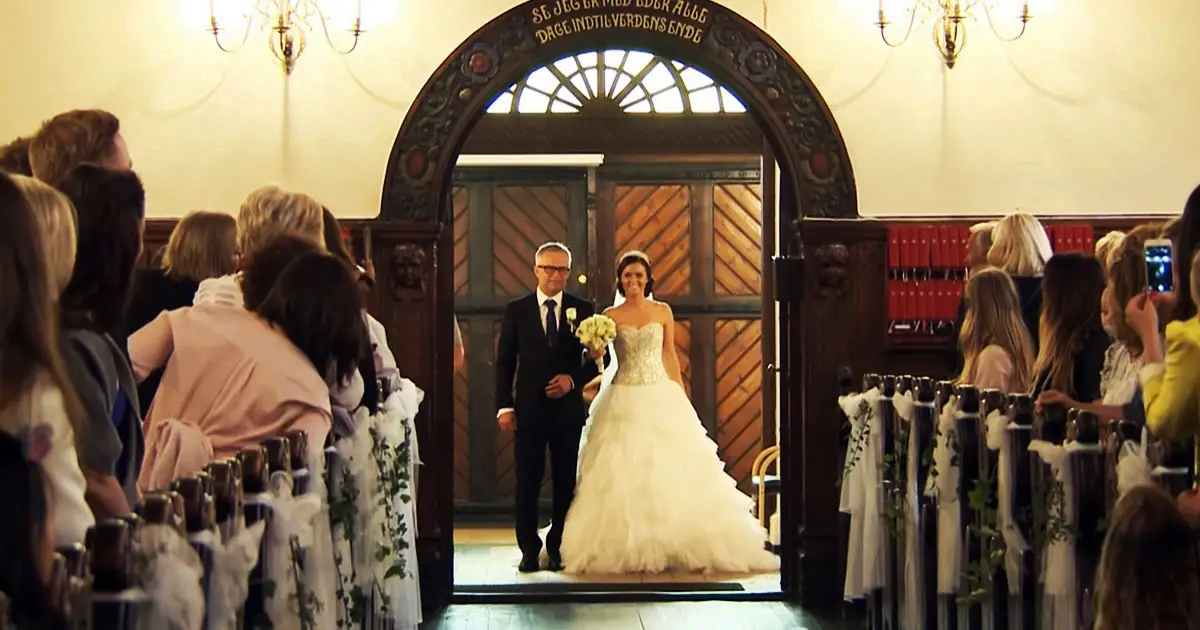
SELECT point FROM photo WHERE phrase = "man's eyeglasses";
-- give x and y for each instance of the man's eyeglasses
(554, 270)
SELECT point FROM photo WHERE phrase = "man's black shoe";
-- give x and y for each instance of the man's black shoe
(529, 564)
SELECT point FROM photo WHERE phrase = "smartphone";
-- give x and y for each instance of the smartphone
(1159, 278)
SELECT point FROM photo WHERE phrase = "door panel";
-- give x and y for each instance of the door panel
(523, 218)
(737, 239)
(657, 220)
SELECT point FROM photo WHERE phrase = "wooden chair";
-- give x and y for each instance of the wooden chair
(765, 485)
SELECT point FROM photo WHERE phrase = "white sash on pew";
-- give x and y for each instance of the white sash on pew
(862, 496)
(998, 427)
(173, 574)
(913, 602)
(944, 488)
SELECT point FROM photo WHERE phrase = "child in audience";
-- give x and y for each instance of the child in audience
(1149, 577)
(996, 346)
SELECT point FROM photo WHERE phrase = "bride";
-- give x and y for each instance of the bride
(652, 495)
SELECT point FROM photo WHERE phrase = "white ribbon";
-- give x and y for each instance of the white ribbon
(913, 613)
(293, 520)
(228, 585)
(862, 494)
(173, 578)
(1133, 466)
(998, 427)
(906, 407)
(945, 488)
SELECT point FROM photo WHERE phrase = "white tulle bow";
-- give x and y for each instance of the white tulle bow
(173, 579)
(862, 495)
(228, 585)
(998, 427)
(945, 485)
(1133, 465)
(906, 407)
(292, 521)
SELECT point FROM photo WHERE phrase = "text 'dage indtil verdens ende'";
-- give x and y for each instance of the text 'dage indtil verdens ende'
(677, 18)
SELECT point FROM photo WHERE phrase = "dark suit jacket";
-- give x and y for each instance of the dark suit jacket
(524, 358)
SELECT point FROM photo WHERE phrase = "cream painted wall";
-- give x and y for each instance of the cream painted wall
(1093, 111)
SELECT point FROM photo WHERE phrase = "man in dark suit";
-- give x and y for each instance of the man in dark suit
(550, 366)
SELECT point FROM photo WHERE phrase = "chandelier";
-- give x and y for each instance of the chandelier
(288, 23)
(949, 24)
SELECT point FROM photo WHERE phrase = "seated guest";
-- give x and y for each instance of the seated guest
(1169, 379)
(110, 206)
(235, 377)
(70, 139)
(1073, 339)
(203, 245)
(14, 157)
(37, 227)
(27, 557)
(1126, 279)
(996, 347)
(1148, 575)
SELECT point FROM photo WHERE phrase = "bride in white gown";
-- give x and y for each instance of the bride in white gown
(652, 495)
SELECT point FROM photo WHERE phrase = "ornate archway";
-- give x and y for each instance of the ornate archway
(816, 181)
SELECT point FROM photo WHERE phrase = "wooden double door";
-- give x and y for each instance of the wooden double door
(701, 227)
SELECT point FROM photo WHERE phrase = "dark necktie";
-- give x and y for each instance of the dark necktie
(551, 324)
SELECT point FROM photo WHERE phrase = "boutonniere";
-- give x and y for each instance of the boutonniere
(571, 315)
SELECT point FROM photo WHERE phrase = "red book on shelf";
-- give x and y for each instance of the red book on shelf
(906, 245)
(950, 255)
(938, 251)
(910, 301)
(893, 297)
(962, 234)
(921, 252)
(1087, 238)
(1050, 234)
(893, 247)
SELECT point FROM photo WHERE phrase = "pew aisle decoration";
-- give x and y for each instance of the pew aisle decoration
(374, 512)
(1014, 543)
(171, 573)
(913, 605)
(233, 560)
(1133, 465)
(944, 487)
(292, 602)
(862, 495)
(1059, 611)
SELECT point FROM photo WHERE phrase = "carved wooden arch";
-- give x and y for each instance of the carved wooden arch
(816, 181)
(718, 41)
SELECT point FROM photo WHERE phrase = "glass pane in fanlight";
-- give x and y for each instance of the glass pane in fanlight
(567, 66)
(559, 107)
(731, 102)
(588, 59)
(669, 101)
(637, 61)
(543, 80)
(706, 100)
(533, 102)
(581, 84)
(614, 58)
(592, 76)
(640, 107)
(623, 80)
(658, 78)
(693, 79)
(610, 79)
(502, 104)
(635, 94)
(341, 13)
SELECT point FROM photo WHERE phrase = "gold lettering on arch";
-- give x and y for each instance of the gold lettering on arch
(683, 19)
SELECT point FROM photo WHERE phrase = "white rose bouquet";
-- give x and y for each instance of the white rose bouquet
(595, 333)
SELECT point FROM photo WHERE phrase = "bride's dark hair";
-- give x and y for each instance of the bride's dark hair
(635, 258)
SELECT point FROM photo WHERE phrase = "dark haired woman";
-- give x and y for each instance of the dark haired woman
(110, 207)
(1073, 342)
(26, 558)
(652, 494)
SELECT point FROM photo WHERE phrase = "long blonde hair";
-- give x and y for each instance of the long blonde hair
(1020, 245)
(993, 318)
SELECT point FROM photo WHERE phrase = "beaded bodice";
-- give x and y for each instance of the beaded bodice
(639, 354)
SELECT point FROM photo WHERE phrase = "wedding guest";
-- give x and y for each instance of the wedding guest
(979, 242)
(997, 349)
(362, 390)
(37, 244)
(27, 557)
(110, 206)
(81, 136)
(1073, 339)
(14, 157)
(203, 245)
(1107, 246)
(1185, 240)
(1148, 575)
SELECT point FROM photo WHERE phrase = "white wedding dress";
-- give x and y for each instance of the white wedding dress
(652, 494)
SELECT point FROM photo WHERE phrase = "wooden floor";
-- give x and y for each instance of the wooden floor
(643, 616)
(486, 558)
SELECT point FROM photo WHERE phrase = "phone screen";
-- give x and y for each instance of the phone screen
(1158, 268)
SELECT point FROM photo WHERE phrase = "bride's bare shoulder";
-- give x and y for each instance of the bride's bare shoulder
(615, 313)
(662, 309)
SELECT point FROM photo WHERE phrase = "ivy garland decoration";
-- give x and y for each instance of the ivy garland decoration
(860, 432)
(894, 479)
(393, 463)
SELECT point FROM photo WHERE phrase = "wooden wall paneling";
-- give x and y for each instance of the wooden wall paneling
(739, 403)
(685, 350)
(737, 238)
(462, 421)
(481, 435)
(655, 218)
(524, 217)
(461, 198)
(505, 480)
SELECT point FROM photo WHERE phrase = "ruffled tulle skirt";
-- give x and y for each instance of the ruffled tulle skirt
(652, 494)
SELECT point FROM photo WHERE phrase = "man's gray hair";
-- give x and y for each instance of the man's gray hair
(552, 246)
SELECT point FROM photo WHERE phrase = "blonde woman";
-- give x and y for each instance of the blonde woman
(996, 346)
(1020, 248)
(1106, 247)
(36, 397)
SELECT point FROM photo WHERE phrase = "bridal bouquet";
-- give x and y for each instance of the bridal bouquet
(596, 332)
